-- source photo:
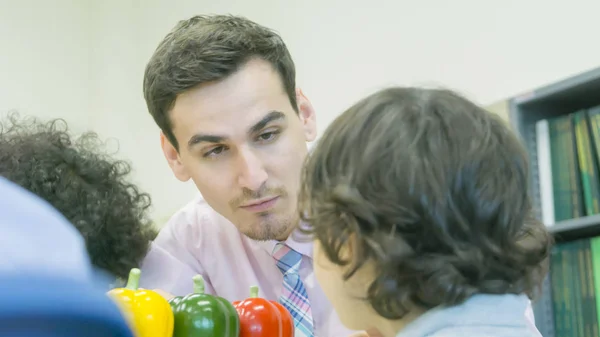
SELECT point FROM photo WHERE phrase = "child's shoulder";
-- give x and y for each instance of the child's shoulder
(482, 331)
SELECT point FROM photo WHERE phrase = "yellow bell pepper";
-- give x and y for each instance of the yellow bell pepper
(148, 313)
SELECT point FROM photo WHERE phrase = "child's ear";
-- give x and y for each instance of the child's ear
(351, 250)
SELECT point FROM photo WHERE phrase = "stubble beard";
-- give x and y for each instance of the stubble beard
(270, 227)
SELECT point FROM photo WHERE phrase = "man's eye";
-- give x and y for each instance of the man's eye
(215, 151)
(267, 136)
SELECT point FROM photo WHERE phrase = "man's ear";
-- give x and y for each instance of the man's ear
(173, 158)
(307, 116)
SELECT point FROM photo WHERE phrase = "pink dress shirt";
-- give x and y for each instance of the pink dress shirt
(198, 240)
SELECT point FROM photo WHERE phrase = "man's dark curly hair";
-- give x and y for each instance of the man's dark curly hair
(431, 189)
(86, 185)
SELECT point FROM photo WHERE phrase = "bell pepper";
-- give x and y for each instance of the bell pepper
(203, 315)
(260, 317)
(147, 312)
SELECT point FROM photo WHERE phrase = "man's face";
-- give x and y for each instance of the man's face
(243, 145)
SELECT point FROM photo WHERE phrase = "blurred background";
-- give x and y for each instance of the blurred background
(84, 60)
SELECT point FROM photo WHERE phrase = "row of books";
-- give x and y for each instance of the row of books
(568, 148)
(575, 279)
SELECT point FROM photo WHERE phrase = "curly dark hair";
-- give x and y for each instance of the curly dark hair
(85, 184)
(206, 48)
(432, 190)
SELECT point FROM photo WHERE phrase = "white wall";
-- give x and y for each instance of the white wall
(44, 63)
(343, 50)
(117, 105)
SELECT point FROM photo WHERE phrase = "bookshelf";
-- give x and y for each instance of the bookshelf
(556, 100)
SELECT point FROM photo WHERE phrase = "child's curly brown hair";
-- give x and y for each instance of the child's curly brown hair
(432, 190)
(86, 185)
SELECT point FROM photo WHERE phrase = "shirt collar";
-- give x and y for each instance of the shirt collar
(297, 241)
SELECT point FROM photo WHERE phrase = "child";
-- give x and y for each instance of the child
(418, 203)
(88, 187)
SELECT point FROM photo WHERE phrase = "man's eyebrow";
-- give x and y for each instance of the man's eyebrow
(200, 138)
(271, 116)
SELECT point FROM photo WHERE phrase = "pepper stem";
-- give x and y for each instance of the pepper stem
(253, 292)
(133, 282)
(198, 284)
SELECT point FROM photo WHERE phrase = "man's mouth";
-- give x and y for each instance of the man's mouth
(260, 205)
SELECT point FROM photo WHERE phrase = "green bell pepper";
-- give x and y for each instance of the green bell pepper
(203, 315)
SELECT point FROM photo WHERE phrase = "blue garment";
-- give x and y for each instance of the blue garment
(35, 237)
(479, 316)
(47, 284)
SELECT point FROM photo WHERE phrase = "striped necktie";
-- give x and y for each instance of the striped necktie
(294, 296)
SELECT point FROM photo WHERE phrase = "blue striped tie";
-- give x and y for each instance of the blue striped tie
(294, 296)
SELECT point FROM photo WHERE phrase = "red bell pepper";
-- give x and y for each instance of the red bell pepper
(260, 317)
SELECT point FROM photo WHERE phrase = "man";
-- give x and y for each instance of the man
(88, 187)
(223, 91)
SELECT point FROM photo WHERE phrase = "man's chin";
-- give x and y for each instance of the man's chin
(258, 237)
(267, 234)
(264, 237)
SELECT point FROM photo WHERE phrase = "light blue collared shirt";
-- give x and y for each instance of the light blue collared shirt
(480, 316)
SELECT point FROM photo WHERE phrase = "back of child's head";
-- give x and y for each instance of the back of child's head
(89, 187)
(431, 189)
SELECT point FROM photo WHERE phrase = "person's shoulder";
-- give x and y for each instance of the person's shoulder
(30, 221)
(478, 332)
(197, 220)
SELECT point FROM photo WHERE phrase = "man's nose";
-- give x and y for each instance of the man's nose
(252, 173)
